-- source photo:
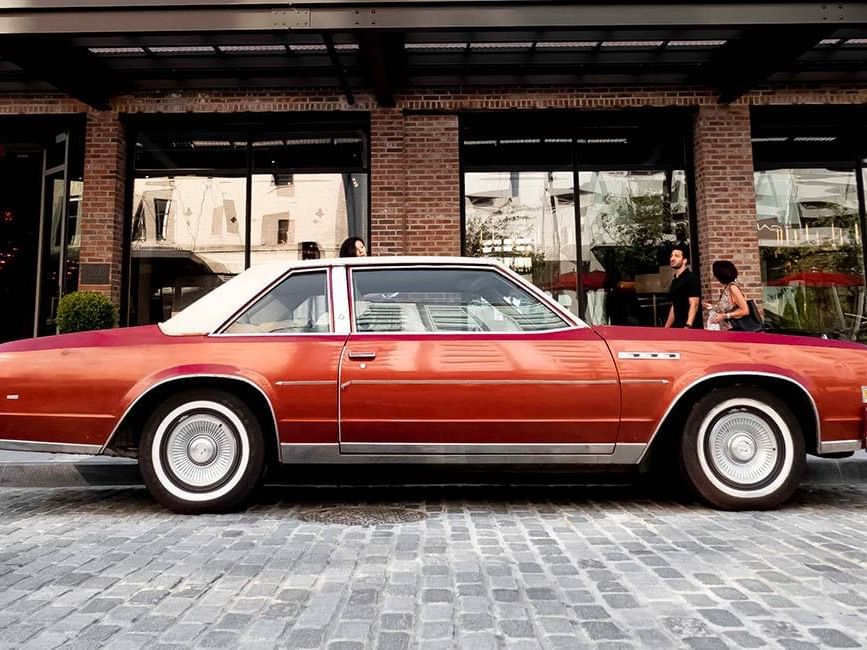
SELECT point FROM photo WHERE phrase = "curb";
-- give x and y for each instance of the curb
(124, 472)
(69, 474)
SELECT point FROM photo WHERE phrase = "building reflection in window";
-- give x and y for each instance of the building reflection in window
(188, 231)
(306, 216)
(811, 250)
(186, 240)
(527, 221)
(190, 228)
(586, 204)
(630, 220)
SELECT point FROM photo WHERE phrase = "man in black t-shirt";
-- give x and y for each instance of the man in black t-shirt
(685, 292)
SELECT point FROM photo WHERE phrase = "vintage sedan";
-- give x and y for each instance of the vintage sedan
(427, 360)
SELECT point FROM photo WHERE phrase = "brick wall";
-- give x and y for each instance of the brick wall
(433, 209)
(725, 196)
(387, 183)
(102, 206)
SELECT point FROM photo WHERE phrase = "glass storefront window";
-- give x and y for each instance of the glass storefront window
(630, 221)
(586, 205)
(306, 216)
(306, 188)
(527, 221)
(188, 237)
(811, 250)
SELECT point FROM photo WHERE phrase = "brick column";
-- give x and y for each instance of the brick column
(433, 208)
(726, 197)
(102, 209)
(387, 183)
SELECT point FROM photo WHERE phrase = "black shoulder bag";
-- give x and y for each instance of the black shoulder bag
(752, 322)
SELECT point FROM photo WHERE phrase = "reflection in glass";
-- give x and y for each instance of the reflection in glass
(630, 221)
(187, 237)
(811, 251)
(305, 216)
(73, 236)
(527, 221)
(49, 296)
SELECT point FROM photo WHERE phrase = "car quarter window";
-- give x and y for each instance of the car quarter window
(446, 300)
(298, 304)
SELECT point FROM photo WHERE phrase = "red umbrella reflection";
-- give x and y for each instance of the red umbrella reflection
(569, 281)
(818, 279)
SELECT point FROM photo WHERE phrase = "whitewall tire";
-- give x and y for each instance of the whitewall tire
(742, 449)
(202, 451)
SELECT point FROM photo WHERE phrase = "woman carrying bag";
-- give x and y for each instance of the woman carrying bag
(732, 310)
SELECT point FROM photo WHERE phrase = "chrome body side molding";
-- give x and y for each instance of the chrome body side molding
(197, 376)
(839, 446)
(49, 447)
(621, 454)
(464, 449)
(481, 382)
(744, 373)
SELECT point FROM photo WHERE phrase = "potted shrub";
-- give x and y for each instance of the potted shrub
(80, 311)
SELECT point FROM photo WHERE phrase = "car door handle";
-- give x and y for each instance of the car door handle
(362, 356)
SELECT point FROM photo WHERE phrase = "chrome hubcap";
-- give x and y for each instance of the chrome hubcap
(743, 448)
(201, 449)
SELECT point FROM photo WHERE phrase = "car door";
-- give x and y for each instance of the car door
(451, 359)
(290, 336)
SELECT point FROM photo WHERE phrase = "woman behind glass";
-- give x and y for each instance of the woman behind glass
(732, 303)
(353, 247)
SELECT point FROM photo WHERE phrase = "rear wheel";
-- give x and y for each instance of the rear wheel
(742, 449)
(202, 451)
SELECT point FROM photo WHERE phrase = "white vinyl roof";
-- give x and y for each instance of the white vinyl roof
(217, 306)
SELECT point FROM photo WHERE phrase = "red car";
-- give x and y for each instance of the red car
(427, 360)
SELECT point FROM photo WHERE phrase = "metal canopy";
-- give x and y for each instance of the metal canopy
(387, 46)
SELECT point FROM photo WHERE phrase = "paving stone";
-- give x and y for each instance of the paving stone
(395, 641)
(745, 639)
(705, 643)
(834, 638)
(620, 601)
(721, 617)
(591, 612)
(599, 630)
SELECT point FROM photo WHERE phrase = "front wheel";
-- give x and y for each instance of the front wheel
(202, 451)
(742, 449)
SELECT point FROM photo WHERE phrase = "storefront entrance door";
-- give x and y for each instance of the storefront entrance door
(59, 235)
(20, 182)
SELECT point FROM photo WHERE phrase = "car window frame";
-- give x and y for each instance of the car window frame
(329, 296)
(570, 322)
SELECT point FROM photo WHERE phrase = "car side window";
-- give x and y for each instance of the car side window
(299, 304)
(446, 300)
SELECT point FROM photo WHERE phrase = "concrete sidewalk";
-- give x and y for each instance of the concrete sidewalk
(24, 469)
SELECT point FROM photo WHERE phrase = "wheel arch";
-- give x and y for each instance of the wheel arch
(125, 437)
(793, 392)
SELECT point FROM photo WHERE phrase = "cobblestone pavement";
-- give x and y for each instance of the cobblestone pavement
(469, 567)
